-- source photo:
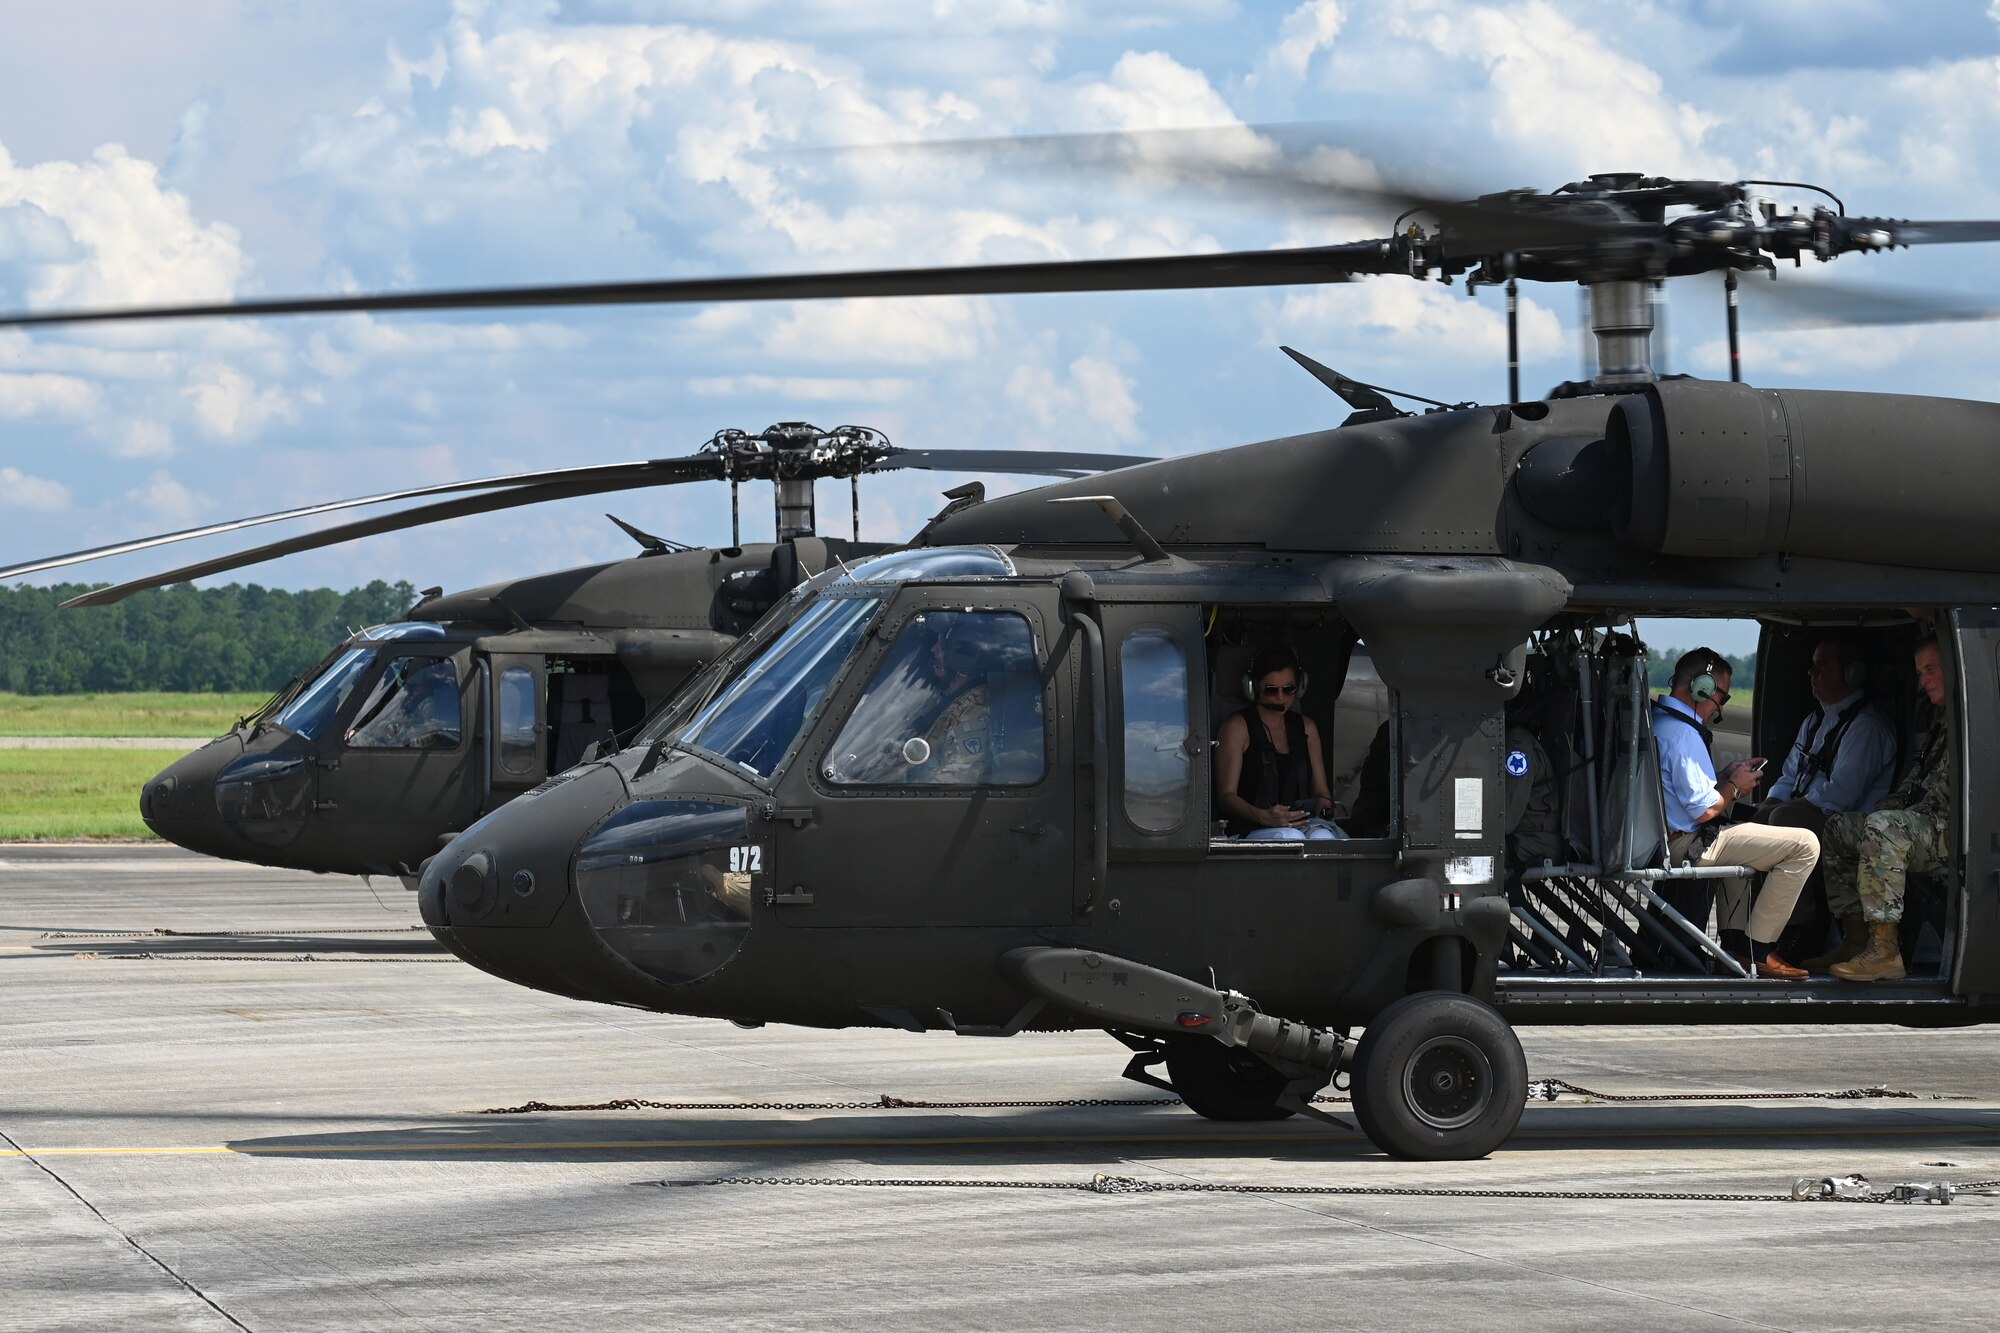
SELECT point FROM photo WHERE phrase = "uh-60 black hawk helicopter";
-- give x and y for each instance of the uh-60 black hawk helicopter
(407, 733)
(785, 843)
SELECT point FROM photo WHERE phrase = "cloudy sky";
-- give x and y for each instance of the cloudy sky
(207, 150)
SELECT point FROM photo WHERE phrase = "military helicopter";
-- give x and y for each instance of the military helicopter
(406, 733)
(782, 843)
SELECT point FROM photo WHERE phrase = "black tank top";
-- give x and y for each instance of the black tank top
(1270, 778)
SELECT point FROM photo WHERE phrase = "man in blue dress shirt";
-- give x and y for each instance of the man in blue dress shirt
(1696, 799)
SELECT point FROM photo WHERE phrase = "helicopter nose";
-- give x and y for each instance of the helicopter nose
(499, 895)
(178, 803)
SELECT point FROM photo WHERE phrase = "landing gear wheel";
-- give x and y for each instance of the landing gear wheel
(1439, 1077)
(1223, 1082)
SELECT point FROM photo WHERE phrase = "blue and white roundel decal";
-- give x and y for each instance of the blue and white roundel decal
(1517, 763)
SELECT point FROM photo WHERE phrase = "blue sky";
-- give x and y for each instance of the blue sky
(211, 150)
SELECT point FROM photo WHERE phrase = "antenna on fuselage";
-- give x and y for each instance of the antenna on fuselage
(1135, 531)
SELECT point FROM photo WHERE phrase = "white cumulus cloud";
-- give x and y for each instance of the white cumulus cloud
(1093, 390)
(131, 241)
(229, 406)
(168, 501)
(41, 393)
(22, 491)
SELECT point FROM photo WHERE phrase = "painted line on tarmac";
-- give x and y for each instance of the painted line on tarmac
(134, 864)
(969, 1141)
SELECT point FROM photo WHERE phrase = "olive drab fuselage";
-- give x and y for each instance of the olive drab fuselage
(537, 670)
(730, 862)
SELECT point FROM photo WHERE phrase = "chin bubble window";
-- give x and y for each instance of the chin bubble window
(957, 702)
(264, 798)
(414, 706)
(668, 885)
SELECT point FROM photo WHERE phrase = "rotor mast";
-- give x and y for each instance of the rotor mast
(1621, 319)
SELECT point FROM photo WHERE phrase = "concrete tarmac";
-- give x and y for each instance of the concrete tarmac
(267, 1120)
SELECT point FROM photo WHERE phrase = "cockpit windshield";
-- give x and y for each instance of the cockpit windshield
(308, 714)
(313, 704)
(753, 722)
(700, 689)
(402, 629)
(929, 564)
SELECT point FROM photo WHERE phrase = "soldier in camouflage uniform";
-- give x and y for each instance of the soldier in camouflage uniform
(1868, 857)
(961, 741)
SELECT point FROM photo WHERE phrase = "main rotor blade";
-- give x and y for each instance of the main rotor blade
(669, 474)
(1029, 462)
(706, 466)
(1240, 268)
(1828, 305)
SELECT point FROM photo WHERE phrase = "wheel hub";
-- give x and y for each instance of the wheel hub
(1449, 1082)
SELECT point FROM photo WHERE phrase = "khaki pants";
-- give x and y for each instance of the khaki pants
(1786, 854)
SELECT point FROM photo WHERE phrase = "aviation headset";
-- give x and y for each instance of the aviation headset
(1702, 686)
(1276, 659)
(1853, 671)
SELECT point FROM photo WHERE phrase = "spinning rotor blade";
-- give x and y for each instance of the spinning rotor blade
(632, 477)
(1242, 268)
(1245, 160)
(601, 471)
(1928, 233)
(1029, 462)
(1827, 305)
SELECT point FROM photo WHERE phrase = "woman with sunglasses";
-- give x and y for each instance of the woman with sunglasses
(1270, 770)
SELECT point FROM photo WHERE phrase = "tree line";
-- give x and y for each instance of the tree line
(1660, 667)
(182, 638)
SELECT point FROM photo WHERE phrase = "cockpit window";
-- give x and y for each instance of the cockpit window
(754, 721)
(948, 562)
(414, 706)
(957, 702)
(316, 704)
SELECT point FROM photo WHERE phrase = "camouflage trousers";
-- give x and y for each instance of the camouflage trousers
(1868, 857)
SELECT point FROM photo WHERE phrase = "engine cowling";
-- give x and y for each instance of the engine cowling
(1702, 469)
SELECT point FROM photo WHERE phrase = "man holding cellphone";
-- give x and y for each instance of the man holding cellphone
(1696, 799)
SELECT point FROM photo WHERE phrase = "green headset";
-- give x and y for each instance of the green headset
(1703, 687)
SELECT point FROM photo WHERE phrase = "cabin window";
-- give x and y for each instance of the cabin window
(517, 720)
(1159, 770)
(956, 702)
(414, 706)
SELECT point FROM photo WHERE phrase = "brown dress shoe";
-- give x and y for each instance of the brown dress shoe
(1773, 968)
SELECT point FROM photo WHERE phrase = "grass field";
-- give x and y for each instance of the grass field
(149, 714)
(75, 793)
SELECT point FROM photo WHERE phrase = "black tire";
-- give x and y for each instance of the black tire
(1224, 1082)
(1439, 1077)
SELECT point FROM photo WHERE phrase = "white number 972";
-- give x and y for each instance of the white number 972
(746, 859)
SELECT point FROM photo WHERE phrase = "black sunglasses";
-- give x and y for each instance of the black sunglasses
(1287, 690)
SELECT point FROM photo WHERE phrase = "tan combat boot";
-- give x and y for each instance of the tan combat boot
(1853, 939)
(1882, 960)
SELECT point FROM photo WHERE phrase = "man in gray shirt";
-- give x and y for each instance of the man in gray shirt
(1845, 755)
